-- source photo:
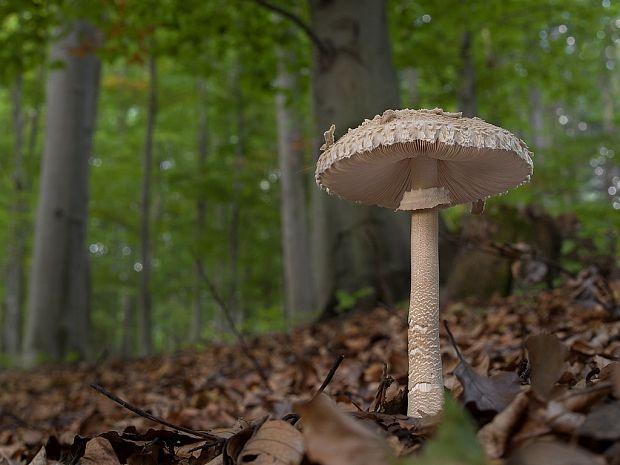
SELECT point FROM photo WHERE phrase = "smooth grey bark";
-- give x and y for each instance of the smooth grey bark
(298, 278)
(467, 100)
(145, 336)
(234, 296)
(201, 214)
(411, 80)
(12, 324)
(355, 247)
(57, 321)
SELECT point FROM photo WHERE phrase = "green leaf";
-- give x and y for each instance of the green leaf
(456, 442)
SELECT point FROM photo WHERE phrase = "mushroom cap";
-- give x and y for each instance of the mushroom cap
(373, 164)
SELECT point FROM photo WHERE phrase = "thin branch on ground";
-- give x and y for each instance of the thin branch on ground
(330, 375)
(231, 323)
(453, 341)
(149, 416)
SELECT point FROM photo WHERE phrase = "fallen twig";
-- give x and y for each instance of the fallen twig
(231, 323)
(453, 341)
(145, 414)
(330, 375)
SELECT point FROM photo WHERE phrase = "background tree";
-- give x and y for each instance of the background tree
(58, 294)
(544, 70)
(356, 248)
(296, 254)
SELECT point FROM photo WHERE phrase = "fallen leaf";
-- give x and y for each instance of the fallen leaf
(276, 442)
(494, 435)
(561, 419)
(99, 451)
(602, 423)
(615, 380)
(219, 460)
(236, 443)
(553, 453)
(546, 355)
(578, 400)
(485, 394)
(40, 458)
(335, 438)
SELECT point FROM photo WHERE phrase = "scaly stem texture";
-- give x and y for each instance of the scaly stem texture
(425, 377)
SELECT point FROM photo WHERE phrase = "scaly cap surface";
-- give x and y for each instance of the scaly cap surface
(372, 164)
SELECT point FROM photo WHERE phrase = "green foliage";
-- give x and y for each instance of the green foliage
(456, 442)
(266, 319)
(348, 300)
(557, 59)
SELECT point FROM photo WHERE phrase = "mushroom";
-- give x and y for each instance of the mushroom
(420, 161)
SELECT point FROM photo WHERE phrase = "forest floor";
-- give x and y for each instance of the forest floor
(539, 377)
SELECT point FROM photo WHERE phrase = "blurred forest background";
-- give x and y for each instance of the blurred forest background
(157, 160)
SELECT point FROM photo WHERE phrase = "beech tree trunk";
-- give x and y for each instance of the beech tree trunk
(234, 297)
(411, 80)
(57, 322)
(12, 325)
(145, 335)
(298, 279)
(356, 248)
(201, 214)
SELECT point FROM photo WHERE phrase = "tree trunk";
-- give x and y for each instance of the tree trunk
(15, 267)
(144, 322)
(356, 247)
(58, 296)
(235, 212)
(299, 295)
(411, 80)
(468, 103)
(201, 213)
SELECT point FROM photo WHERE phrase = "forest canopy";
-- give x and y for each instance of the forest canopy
(157, 158)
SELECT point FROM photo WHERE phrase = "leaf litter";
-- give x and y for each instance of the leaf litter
(536, 379)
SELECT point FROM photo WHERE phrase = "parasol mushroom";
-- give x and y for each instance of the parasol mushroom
(420, 161)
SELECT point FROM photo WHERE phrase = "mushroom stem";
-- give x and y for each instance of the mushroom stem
(425, 383)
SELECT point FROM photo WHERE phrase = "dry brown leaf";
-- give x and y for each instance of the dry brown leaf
(485, 394)
(99, 451)
(553, 453)
(219, 460)
(4, 459)
(603, 423)
(578, 400)
(40, 458)
(561, 419)
(494, 435)
(335, 438)
(615, 380)
(141, 460)
(236, 443)
(546, 355)
(190, 451)
(275, 443)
